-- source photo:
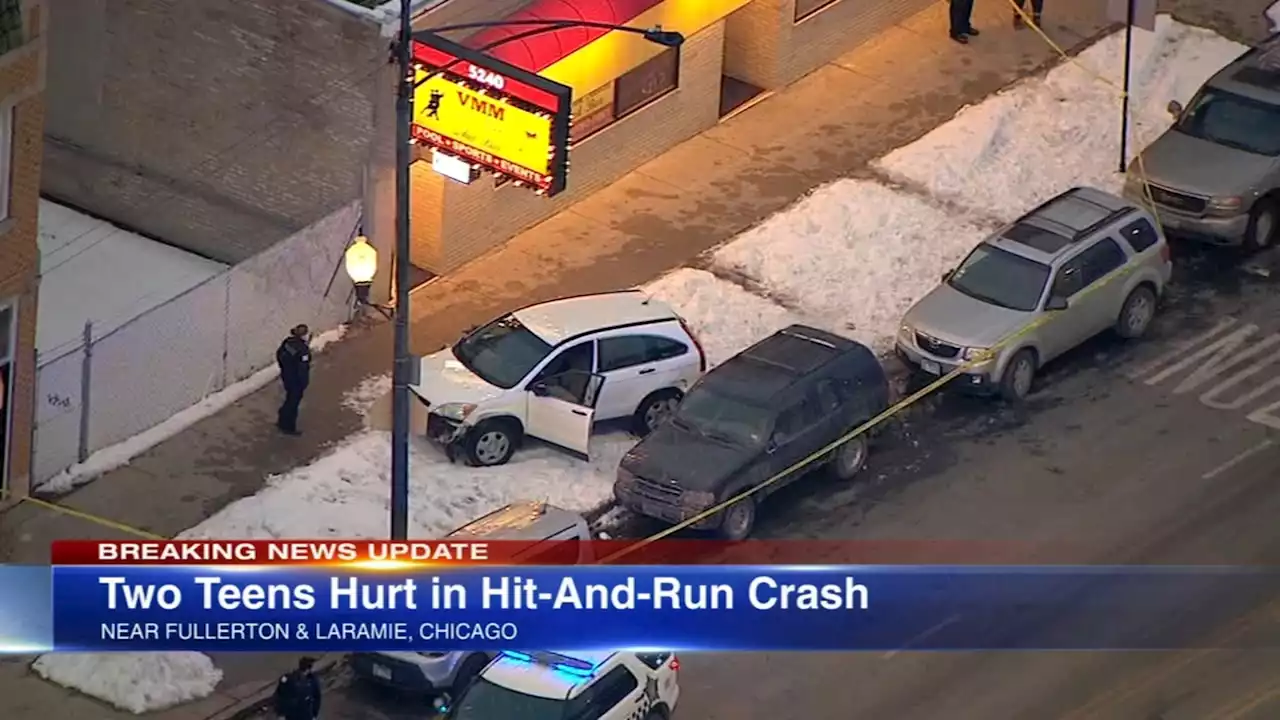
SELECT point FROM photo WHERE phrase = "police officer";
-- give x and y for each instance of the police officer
(961, 14)
(298, 693)
(294, 359)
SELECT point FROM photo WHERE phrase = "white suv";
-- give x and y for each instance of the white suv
(578, 685)
(553, 370)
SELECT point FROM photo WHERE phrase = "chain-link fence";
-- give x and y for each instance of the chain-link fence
(112, 386)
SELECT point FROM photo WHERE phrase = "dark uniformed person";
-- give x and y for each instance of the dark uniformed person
(294, 359)
(961, 21)
(298, 693)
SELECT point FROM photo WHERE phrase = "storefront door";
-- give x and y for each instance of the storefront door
(8, 339)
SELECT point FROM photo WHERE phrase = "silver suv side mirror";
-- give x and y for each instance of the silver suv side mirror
(1175, 109)
(1056, 303)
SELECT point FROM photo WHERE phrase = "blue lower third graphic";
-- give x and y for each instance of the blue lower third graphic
(678, 608)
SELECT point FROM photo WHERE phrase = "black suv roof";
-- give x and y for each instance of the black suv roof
(772, 366)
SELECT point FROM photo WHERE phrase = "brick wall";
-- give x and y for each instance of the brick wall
(221, 127)
(454, 223)
(845, 24)
(21, 85)
(765, 46)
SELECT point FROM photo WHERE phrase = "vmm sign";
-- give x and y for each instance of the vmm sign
(511, 121)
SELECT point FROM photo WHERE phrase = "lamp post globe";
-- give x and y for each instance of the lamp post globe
(362, 265)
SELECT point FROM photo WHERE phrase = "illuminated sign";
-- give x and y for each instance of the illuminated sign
(511, 121)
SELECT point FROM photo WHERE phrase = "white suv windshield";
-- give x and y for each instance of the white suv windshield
(1235, 121)
(1001, 278)
(487, 701)
(502, 353)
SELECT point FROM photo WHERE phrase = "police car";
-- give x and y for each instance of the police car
(563, 533)
(579, 685)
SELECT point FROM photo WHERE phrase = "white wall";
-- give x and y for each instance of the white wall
(170, 356)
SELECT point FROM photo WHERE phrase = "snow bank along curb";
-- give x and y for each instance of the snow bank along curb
(133, 681)
(115, 456)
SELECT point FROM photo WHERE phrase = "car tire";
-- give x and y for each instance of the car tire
(1015, 384)
(1262, 228)
(471, 667)
(739, 519)
(653, 411)
(491, 443)
(1136, 313)
(850, 457)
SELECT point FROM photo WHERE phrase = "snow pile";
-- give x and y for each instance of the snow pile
(855, 253)
(365, 395)
(345, 493)
(725, 317)
(1045, 135)
(114, 456)
(136, 682)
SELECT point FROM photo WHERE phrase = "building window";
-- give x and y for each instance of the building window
(8, 338)
(10, 25)
(601, 108)
(655, 78)
(6, 160)
(805, 8)
(592, 113)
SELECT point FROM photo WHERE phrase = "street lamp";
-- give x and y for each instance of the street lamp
(361, 260)
(403, 370)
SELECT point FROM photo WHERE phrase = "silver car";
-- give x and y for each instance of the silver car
(1077, 265)
(1215, 175)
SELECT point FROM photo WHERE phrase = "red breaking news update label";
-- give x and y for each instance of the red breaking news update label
(559, 552)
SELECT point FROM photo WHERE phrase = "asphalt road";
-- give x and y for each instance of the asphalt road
(1111, 456)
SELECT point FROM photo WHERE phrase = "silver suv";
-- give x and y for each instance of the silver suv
(1079, 264)
(1215, 175)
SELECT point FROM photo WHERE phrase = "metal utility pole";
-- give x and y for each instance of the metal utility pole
(401, 370)
(1128, 62)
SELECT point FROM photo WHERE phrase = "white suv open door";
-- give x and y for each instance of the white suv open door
(562, 409)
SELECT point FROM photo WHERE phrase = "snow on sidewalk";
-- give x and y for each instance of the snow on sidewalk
(855, 253)
(724, 317)
(1045, 135)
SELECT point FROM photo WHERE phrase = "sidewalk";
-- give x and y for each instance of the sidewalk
(877, 97)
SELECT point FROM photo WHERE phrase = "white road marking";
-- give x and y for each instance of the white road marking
(1178, 349)
(931, 631)
(1237, 460)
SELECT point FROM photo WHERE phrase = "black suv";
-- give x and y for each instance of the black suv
(766, 409)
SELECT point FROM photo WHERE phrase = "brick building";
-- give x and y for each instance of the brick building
(21, 126)
(632, 99)
(224, 127)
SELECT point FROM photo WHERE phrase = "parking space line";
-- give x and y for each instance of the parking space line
(1245, 455)
(931, 631)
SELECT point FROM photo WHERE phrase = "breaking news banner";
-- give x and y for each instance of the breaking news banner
(346, 596)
